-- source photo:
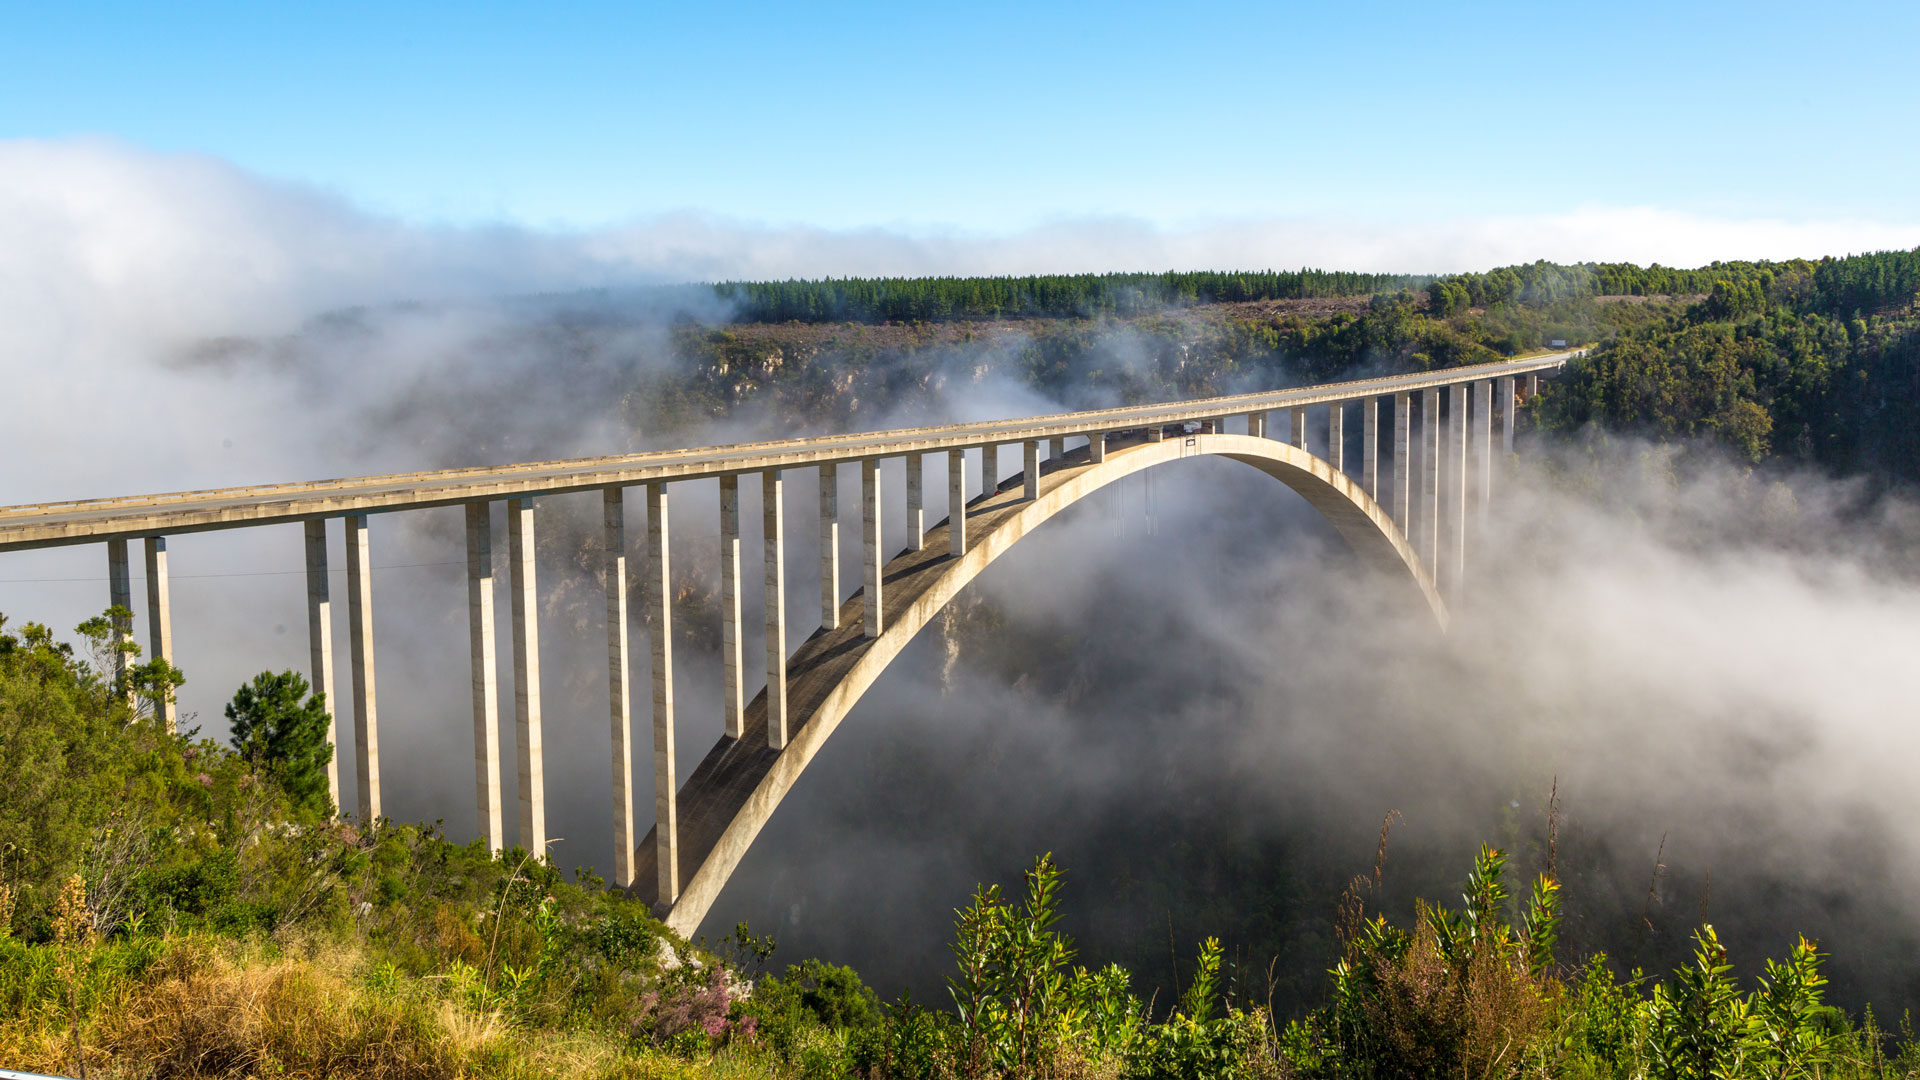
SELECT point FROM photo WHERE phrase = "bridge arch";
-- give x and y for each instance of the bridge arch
(734, 791)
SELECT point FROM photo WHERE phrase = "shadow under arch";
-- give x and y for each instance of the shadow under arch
(735, 789)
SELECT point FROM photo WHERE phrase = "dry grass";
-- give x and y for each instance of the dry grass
(209, 1009)
(206, 1013)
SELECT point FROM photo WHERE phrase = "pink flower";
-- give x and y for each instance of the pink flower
(205, 780)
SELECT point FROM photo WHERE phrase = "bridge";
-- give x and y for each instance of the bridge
(1427, 422)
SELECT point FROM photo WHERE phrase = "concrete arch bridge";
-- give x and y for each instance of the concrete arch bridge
(1434, 431)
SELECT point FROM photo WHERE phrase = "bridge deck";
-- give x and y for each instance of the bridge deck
(95, 520)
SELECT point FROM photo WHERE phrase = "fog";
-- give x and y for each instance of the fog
(1184, 688)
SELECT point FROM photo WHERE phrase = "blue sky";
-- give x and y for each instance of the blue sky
(997, 117)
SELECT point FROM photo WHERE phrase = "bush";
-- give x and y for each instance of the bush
(813, 994)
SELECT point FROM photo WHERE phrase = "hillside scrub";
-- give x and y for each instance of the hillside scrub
(168, 909)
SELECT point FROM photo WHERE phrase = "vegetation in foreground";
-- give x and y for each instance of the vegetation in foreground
(172, 908)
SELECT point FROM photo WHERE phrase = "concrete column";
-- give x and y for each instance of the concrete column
(160, 624)
(1505, 394)
(1218, 425)
(1402, 460)
(529, 739)
(1097, 447)
(1297, 427)
(956, 502)
(480, 652)
(1430, 474)
(773, 554)
(1030, 469)
(1257, 424)
(366, 720)
(1056, 450)
(120, 595)
(916, 504)
(666, 789)
(872, 556)
(829, 547)
(733, 690)
(1337, 436)
(1457, 493)
(613, 509)
(1483, 448)
(1370, 446)
(1156, 433)
(1533, 385)
(320, 644)
(990, 469)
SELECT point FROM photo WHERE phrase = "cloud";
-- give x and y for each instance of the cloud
(104, 246)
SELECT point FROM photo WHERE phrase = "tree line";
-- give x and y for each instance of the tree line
(941, 299)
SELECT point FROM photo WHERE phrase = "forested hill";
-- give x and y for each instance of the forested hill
(1815, 362)
(941, 299)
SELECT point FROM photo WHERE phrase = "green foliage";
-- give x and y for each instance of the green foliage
(812, 994)
(1540, 925)
(1816, 362)
(1014, 971)
(274, 730)
(1700, 1027)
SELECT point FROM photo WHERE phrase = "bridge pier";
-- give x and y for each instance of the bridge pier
(829, 547)
(1505, 394)
(160, 624)
(613, 510)
(1370, 447)
(1257, 424)
(120, 595)
(872, 555)
(366, 721)
(666, 789)
(916, 504)
(1457, 493)
(989, 469)
(1057, 450)
(1297, 427)
(956, 502)
(1337, 435)
(320, 643)
(1030, 469)
(1533, 385)
(1097, 447)
(732, 693)
(1430, 470)
(524, 607)
(1402, 461)
(773, 557)
(1483, 450)
(486, 716)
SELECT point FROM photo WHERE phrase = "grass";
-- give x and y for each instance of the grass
(205, 1006)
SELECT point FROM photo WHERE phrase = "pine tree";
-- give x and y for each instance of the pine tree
(285, 738)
